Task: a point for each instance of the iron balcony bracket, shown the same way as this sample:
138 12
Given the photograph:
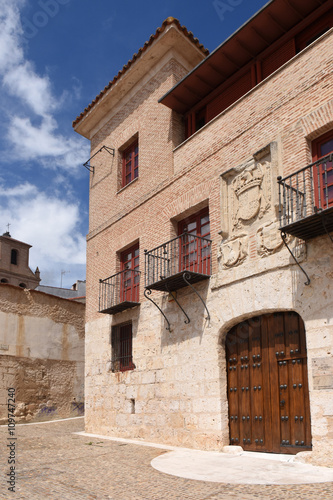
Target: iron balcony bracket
187 320
148 292
284 236
186 277
91 168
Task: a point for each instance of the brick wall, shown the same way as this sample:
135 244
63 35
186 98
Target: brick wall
179 383
273 111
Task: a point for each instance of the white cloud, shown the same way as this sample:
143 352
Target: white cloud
50 224
43 142
77 87
11 52
20 190
35 91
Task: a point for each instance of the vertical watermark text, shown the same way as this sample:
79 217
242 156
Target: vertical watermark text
48 9
224 7
11 445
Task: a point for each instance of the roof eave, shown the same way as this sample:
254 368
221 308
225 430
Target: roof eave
246 38
173 37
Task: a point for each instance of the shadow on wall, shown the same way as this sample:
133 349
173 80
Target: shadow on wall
181 329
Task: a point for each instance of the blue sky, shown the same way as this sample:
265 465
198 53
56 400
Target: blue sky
55 57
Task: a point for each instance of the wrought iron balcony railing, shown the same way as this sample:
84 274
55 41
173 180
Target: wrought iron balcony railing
306 200
186 256
119 292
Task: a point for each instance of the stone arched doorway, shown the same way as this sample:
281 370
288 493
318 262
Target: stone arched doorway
268 392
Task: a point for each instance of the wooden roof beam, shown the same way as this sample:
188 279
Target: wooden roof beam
260 36
231 60
294 9
181 100
241 44
217 70
204 81
191 91
284 30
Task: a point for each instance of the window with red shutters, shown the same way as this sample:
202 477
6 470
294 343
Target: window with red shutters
130 278
323 172
130 163
195 252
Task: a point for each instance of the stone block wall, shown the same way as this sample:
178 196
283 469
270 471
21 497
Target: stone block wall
41 354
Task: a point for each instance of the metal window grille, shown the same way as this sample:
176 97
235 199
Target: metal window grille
122 356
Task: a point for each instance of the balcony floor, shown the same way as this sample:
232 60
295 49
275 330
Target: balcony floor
312 226
176 281
119 307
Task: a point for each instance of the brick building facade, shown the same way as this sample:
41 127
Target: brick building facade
202 328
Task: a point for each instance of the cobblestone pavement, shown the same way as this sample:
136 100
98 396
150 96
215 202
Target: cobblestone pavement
55 464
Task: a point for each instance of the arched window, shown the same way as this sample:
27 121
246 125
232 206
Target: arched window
23 285
13 257
3 280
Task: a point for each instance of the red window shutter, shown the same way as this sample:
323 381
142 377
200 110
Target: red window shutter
130 279
229 95
194 254
323 172
130 163
276 59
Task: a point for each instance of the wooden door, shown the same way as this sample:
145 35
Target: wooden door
267 384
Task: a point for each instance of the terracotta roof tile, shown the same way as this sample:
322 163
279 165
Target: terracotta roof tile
167 22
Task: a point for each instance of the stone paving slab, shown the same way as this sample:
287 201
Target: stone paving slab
239 469
54 463
235 466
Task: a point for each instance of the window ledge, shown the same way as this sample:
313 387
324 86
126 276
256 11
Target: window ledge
129 184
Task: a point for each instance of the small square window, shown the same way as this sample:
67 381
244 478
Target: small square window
130 163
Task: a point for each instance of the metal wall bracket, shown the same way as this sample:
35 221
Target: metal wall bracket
91 168
180 307
186 277
148 292
284 236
